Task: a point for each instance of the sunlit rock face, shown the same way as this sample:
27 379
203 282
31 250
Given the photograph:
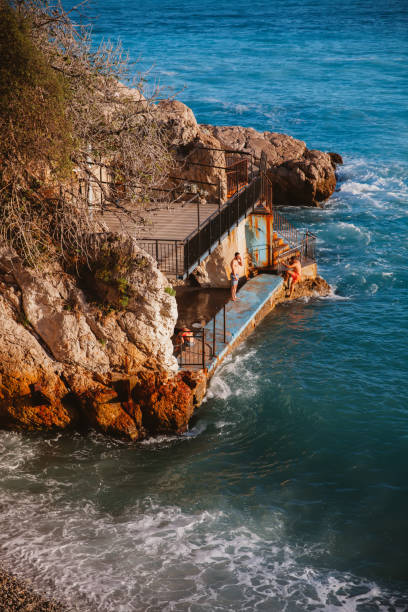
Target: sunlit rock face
92 353
300 176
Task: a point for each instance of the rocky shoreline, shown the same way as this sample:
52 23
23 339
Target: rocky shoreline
92 347
17 594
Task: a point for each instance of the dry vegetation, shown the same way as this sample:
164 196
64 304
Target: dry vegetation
65 119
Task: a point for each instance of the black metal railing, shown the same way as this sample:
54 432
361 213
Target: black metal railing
199 347
237 174
266 198
309 246
271 257
194 351
169 254
202 240
180 257
286 230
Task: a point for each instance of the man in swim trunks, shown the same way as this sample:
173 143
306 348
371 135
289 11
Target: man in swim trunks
236 263
293 273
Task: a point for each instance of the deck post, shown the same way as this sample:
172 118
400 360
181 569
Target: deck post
203 345
186 256
219 211
175 250
214 332
157 250
198 228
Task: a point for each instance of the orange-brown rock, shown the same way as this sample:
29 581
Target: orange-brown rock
64 351
36 412
197 152
166 405
300 176
105 413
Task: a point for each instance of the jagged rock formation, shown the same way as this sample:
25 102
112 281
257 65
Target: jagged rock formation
197 152
73 356
300 176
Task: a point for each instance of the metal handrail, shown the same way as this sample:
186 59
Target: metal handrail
217 212
204 347
285 229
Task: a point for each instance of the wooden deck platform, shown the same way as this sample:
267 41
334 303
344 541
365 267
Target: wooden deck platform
173 223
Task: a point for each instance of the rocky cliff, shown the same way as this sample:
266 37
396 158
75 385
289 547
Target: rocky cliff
83 348
92 349
300 176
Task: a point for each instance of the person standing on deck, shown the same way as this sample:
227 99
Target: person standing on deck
236 263
293 272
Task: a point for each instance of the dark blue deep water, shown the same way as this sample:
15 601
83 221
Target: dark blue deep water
290 492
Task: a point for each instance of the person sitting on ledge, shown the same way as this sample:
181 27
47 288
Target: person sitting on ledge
186 337
236 263
293 273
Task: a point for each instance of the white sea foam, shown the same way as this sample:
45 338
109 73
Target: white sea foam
358 188
333 296
234 378
346 231
159 557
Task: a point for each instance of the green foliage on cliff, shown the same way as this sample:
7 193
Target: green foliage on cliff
68 129
34 126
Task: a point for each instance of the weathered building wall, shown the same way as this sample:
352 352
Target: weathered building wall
215 270
254 235
259 238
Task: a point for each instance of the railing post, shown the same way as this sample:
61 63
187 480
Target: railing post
214 332
203 345
219 211
198 228
186 256
157 250
225 333
176 251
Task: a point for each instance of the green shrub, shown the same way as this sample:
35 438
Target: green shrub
170 291
34 99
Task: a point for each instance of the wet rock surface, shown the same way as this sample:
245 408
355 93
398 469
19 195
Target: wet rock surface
309 287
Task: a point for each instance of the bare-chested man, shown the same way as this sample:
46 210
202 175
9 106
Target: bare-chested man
293 273
236 263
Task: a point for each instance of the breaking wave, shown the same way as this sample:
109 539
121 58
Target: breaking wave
149 556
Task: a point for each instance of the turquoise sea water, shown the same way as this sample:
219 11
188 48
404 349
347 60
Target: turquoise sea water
290 492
